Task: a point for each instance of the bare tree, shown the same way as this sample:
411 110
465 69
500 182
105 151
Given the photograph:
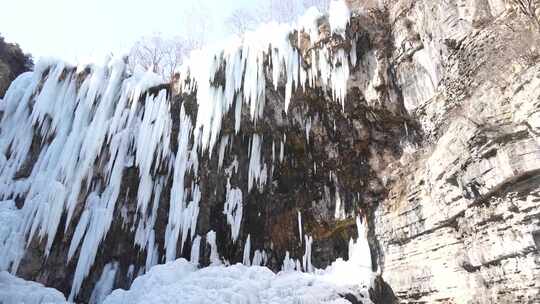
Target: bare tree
279 10
528 8
196 21
241 21
322 5
161 56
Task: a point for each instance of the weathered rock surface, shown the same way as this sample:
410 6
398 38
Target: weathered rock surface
13 62
461 221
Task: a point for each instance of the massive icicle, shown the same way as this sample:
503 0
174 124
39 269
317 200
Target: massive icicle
243 62
247 252
233 210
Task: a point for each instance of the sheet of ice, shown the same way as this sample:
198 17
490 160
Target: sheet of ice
178 204
105 284
306 259
214 255
308 128
247 252
130 272
16 290
195 250
254 160
300 226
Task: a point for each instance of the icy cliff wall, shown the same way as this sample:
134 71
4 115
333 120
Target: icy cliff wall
260 153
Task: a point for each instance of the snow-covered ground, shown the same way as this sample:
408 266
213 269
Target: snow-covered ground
181 282
14 290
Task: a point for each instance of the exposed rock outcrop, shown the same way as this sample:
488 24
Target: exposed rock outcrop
461 219
13 62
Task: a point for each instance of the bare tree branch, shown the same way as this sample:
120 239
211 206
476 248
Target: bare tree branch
242 20
528 8
161 56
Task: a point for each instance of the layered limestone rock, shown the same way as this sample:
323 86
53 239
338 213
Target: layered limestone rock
461 221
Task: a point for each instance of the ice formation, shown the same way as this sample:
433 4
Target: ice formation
233 210
306 259
195 249
105 284
92 122
300 226
214 255
11 242
247 252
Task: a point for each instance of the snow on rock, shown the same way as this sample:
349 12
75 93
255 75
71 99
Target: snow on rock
15 290
181 282
339 15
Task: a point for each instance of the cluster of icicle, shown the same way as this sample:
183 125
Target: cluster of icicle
92 119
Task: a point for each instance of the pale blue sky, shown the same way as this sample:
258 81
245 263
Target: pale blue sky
80 29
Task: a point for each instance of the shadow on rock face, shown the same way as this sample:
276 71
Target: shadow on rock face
382 293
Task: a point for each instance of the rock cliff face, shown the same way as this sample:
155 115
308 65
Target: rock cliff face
435 145
461 220
13 62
